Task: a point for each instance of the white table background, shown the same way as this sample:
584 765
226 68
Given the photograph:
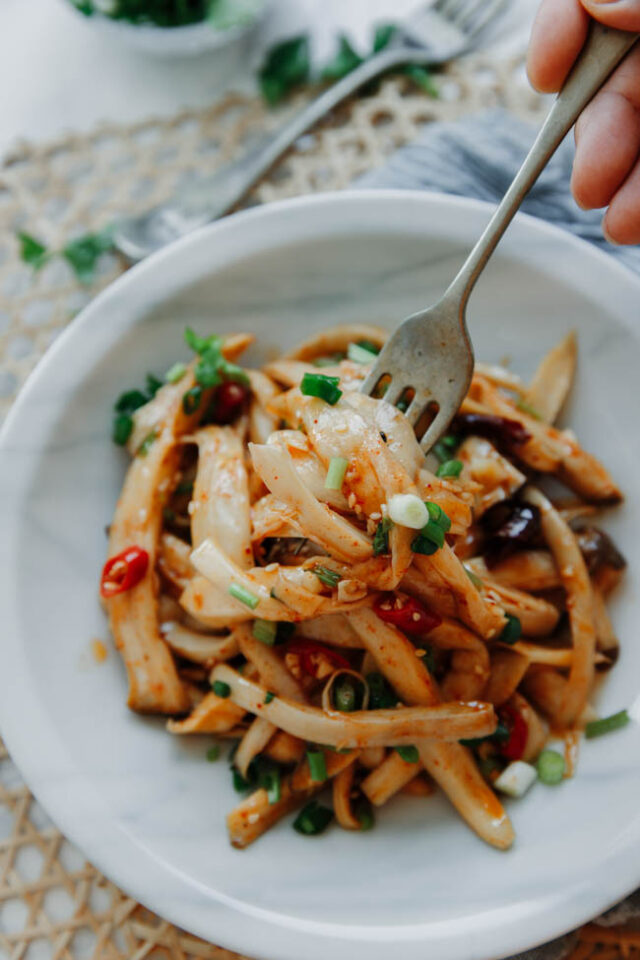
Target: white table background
58 73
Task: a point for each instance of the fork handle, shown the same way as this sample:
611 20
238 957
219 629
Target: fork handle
602 52
217 194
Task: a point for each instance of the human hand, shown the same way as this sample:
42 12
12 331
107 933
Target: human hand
606 168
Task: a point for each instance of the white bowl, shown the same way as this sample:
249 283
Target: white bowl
191 40
146 807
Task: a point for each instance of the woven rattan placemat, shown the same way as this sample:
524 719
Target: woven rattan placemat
54 905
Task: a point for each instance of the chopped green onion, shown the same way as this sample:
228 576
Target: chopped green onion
446 446
513 630
330 578
450 468
335 473
360 354
221 689
244 596
146 444
202 344
265 631
364 813
191 400
175 373
424 546
408 510
381 696
122 427
550 766
317 766
527 408
318 385
381 536
345 695
598 727
270 695
437 515
313 819
213 753
272 783
409 754
370 346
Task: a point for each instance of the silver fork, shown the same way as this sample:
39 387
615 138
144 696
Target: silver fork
430 36
430 353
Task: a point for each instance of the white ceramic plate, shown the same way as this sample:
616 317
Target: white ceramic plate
146 807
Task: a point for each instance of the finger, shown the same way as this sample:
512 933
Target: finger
608 137
622 220
557 37
623 14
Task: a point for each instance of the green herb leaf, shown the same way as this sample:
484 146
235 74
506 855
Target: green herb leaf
130 401
422 79
270 695
201 345
325 575
83 253
343 62
32 251
383 35
381 536
287 65
153 385
122 427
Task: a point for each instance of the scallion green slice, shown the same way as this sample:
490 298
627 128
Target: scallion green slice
221 689
335 473
409 754
317 766
175 373
265 631
213 753
244 596
551 767
319 385
360 354
607 724
446 446
313 819
513 630
191 400
146 444
270 695
450 468
381 536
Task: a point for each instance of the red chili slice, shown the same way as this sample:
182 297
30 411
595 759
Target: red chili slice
514 747
123 571
407 614
309 651
229 400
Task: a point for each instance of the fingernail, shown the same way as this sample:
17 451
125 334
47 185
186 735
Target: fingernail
607 235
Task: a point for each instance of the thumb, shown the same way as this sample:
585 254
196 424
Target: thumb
622 14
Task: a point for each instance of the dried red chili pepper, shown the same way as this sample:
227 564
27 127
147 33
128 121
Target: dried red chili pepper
124 571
